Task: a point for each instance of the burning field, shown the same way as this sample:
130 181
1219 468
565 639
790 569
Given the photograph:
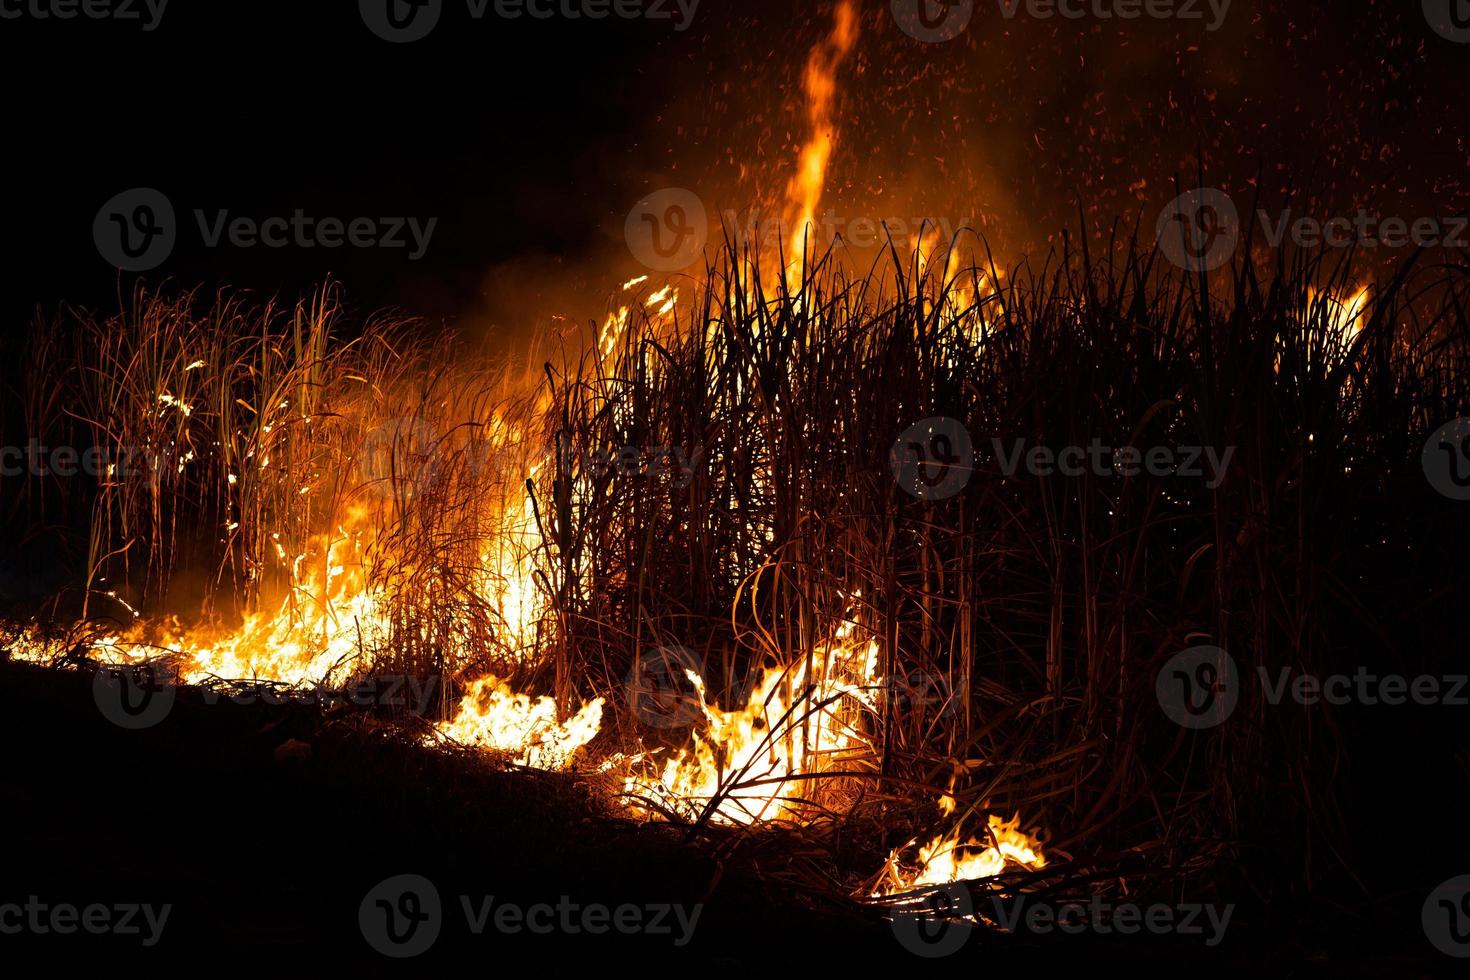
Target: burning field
942 593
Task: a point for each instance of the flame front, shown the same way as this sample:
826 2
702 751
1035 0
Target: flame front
819 83
492 716
756 763
946 858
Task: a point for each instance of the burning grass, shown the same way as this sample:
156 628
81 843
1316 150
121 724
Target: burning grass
335 504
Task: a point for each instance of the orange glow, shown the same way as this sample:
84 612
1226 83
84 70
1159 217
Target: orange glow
819 82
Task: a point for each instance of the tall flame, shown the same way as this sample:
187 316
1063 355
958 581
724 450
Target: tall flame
819 82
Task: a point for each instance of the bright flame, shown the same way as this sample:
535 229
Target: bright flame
945 859
492 716
819 82
751 764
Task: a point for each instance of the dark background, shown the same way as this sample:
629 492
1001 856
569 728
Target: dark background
530 140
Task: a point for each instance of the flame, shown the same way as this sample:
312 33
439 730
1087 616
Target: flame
946 859
810 716
492 716
819 82
1341 320
752 764
1345 318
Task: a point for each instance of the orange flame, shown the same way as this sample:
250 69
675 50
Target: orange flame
819 81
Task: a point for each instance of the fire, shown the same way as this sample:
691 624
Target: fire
492 716
1335 320
946 859
359 528
1345 318
819 82
752 764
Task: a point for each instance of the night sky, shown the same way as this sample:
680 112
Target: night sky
529 140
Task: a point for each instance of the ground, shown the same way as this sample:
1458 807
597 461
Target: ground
264 827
